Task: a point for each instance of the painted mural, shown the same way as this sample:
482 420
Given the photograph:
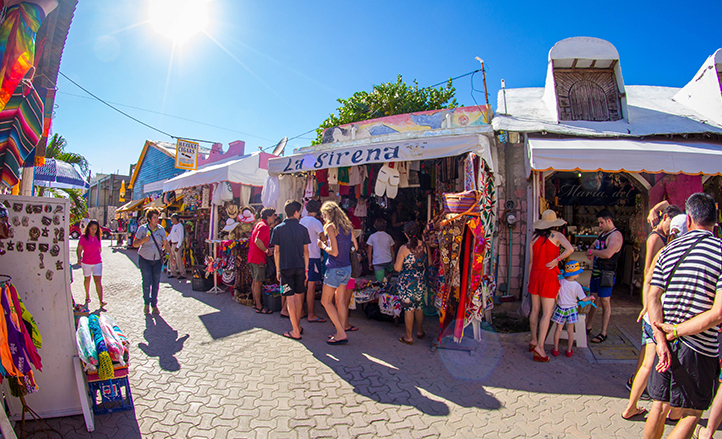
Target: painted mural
422 121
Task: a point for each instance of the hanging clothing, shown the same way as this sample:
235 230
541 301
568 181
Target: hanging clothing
403 169
271 191
469 174
356 175
322 180
333 176
21 124
245 196
343 176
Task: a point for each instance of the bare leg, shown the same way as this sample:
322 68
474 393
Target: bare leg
640 380
570 336
592 313
654 427
534 318
311 300
419 317
293 304
346 302
86 283
341 306
327 302
686 424
284 306
715 417
256 291
547 311
300 301
557 336
409 324
607 307
99 288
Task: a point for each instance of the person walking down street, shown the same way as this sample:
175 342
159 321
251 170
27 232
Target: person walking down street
258 251
411 265
291 241
380 250
685 306
176 240
544 274
656 241
315 229
605 253
89 247
150 239
339 236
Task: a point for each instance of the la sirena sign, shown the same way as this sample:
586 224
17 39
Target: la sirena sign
186 155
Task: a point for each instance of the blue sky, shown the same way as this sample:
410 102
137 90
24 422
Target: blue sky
265 70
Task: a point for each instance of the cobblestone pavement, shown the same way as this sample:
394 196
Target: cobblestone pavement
209 367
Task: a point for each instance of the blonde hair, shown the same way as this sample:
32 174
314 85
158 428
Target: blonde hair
334 215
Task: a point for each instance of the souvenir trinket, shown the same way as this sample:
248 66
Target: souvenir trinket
28 209
30 246
17 207
37 208
49 275
45 232
46 221
48 208
56 220
58 209
43 247
19 246
58 265
54 250
25 221
34 233
42 262
16 221
11 246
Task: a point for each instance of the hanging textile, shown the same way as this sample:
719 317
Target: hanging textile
245 195
17 46
242 286
21 123
469 173
17 349
487 205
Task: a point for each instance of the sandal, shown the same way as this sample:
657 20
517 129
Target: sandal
420 336
352 328
334 341
532 347
287 334
403 340
539 359
555 352
641 411
570 353
264 310
600 338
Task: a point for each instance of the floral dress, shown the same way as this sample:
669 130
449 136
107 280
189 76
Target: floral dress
411 286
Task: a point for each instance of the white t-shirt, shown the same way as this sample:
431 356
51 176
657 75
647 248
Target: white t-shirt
569 292
314 227
382 243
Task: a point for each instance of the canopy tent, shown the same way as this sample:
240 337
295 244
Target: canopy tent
131 205
59 174
625 155
247 170
420 148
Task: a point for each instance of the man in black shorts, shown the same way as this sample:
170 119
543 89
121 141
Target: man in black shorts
291 259
689 275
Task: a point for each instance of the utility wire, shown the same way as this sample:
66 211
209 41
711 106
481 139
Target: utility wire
454 79
129 116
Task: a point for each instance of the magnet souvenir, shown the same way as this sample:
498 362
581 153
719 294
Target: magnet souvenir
28 209
45 232
2 248
7 203
48 208
42 261
11 246
46 221
19 246
16 221
54 250
43 247
58 265
58 209
61 235
37 208
17 207
49 275
25 221
56 220
34 233
30 246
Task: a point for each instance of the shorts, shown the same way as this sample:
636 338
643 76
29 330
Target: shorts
92 269
544 283
258 272
690 382
293 281
381 270
600 291
314 270
337 276
647 334
565 315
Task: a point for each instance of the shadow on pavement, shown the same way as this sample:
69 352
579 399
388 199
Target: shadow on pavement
163 342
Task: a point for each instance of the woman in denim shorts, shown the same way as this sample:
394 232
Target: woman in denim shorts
339 231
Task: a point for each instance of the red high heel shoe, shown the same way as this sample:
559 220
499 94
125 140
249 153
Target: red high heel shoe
539 359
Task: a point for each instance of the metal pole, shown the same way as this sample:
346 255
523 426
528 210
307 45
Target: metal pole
483 75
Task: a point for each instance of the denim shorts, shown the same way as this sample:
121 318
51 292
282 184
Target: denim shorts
337 276
647 334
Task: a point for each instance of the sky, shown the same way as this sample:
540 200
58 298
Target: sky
261 71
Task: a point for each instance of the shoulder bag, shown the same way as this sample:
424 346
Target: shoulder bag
681 258
160 252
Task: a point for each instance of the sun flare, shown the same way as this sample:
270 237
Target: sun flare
178 20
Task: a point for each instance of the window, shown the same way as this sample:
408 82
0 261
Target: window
588 101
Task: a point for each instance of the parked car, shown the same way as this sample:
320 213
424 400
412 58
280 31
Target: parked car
76 231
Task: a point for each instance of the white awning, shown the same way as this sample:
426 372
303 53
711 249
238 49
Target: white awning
246 170
625 155
422 148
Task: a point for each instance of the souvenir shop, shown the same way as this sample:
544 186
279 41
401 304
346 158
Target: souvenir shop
218 204
443 181
629 182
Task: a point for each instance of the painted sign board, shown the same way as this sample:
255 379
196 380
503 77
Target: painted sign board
186 155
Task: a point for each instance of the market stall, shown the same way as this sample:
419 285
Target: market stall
401 168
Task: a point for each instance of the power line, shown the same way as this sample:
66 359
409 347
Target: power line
168 115
129 116
454 79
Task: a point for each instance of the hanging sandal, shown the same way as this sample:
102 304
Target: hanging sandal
600 338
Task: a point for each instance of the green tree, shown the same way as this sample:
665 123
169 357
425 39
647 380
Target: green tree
56 150
387 99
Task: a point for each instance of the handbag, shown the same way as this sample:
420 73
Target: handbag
607 278
355 263
462 202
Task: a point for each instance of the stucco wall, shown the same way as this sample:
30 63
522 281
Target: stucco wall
156 166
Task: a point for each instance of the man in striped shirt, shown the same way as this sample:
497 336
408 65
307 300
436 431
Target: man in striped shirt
685 304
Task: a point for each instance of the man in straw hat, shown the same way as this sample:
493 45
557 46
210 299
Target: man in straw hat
605 253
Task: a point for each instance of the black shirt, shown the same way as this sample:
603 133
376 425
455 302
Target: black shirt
290 237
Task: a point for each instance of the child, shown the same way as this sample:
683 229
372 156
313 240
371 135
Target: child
566 310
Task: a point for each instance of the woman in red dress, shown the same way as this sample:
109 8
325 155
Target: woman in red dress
544 277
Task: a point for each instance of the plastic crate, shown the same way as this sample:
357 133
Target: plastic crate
272 302
110 396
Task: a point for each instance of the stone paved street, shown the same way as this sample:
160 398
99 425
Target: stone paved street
209 367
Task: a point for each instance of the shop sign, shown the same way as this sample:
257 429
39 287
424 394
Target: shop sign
592 189
403 150
186 155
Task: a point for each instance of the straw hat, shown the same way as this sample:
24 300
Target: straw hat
230 225
548 219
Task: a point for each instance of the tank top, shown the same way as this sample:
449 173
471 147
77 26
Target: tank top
544 252
343 242
609 264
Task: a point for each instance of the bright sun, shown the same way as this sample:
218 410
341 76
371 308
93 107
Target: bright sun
178 20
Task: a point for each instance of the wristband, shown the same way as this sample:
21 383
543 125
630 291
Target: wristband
674 332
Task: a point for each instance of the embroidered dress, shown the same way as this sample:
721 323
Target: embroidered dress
411 286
